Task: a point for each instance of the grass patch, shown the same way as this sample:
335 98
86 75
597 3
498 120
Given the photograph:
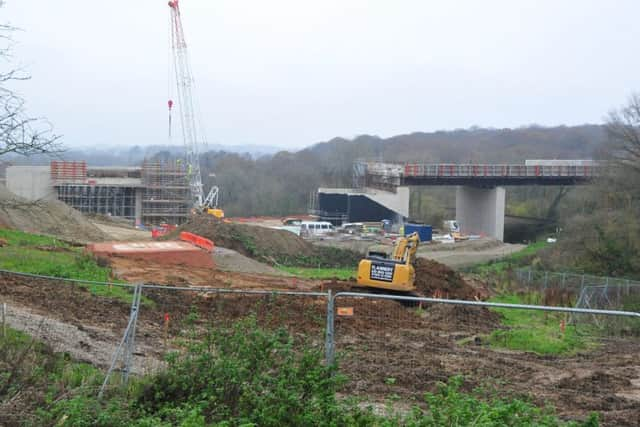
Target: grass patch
33 378
320 273
536 331
238 376
515 259
48 256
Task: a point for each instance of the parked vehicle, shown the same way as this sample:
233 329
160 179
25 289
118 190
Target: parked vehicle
311 228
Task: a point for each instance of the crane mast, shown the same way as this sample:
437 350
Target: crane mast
184 83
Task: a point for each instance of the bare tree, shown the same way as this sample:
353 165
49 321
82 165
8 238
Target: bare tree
19 133
623 128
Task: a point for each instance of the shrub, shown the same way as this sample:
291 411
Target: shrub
248 375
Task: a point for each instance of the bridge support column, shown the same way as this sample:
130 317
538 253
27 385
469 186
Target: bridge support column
481 210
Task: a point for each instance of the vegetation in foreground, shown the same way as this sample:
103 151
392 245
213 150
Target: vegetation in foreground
243 376
48 256
536 331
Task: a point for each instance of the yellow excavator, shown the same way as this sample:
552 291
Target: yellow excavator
396 273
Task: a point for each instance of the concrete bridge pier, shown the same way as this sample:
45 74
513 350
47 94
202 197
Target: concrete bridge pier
480 210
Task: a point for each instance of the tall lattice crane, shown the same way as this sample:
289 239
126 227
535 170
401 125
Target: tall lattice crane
184 84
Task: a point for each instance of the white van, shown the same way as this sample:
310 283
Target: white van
310 228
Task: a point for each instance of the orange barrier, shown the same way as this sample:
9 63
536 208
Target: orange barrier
162 230
199 241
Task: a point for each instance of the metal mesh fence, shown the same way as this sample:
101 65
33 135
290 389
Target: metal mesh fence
171 317
542 280
84 320
584 291
391 347
579 360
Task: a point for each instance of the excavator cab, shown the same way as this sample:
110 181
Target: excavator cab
395 273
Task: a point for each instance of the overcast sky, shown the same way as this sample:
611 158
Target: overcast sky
294 72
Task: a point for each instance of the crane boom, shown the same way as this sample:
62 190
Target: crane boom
184 83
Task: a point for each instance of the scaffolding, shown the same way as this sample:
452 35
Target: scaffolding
154 194
99 199
166 196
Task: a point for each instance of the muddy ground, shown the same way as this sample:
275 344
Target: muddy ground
251 275
383 347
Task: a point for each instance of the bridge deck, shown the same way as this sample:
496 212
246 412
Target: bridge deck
386 174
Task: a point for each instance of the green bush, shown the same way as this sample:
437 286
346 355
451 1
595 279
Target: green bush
451 407
248 375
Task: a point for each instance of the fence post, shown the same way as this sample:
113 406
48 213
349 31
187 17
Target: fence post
135 309
329 341
4 320
546 278
125 348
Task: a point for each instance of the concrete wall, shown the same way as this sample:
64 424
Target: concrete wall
481 210
397 202
31 182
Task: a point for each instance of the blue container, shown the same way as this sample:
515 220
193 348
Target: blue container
424 231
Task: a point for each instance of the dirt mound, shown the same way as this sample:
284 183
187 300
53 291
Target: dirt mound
51 218
437 280
452 317
252 241
266 244
433 280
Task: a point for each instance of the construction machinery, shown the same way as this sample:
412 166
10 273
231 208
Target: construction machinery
395 273
187 107
210 204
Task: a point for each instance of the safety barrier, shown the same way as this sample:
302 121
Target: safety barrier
199 241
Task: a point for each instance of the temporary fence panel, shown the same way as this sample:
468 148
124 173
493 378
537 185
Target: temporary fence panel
83 318
404 346
171 317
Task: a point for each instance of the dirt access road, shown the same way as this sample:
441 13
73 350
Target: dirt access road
122 233
465 254
457 255
383 347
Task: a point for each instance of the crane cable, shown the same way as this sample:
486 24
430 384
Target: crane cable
169 72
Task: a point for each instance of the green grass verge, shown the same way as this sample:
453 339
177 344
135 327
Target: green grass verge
239 376
515 259
536 331
48 256
320 273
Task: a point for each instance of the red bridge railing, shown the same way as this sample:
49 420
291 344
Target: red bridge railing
498 171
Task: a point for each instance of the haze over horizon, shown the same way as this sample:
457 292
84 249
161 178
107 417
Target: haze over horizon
289 74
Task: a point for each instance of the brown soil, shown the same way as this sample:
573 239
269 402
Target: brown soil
247 239
179 275
51 218
437 280
266 244
383 347
167 254
433 280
